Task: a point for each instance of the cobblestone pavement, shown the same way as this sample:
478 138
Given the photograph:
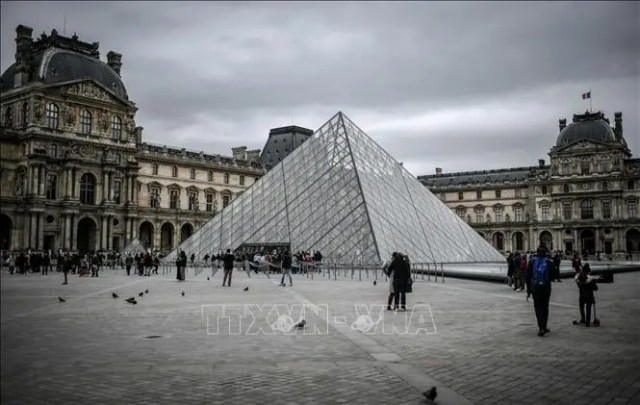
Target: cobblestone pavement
475 340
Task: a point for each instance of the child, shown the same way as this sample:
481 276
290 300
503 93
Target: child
586 285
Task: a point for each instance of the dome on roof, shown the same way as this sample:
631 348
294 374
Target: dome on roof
588 126
58 59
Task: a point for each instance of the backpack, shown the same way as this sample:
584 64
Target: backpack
540 272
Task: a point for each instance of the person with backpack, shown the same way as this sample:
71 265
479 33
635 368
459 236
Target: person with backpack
538 278
228 259
587 285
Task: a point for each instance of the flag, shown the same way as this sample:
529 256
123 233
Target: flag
586 95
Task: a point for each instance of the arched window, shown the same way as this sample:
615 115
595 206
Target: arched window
586 209
52 113
88 189
25 114
8 117
565 188
85 122
116 127
174 171
226 199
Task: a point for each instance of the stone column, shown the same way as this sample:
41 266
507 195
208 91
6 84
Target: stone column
74 187
33 180
110 194
176 235
40 241
34 230
41 180
598 242
67 231
576 245
109 231
103 233
67 183
74 229
134 228
26 234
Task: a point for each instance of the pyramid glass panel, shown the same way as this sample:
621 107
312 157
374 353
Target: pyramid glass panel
342 194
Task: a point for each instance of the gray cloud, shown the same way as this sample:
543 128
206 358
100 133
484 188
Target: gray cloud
215 75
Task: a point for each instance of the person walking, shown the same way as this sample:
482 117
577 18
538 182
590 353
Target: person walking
128 263
67 265
576 263
286 268
11 262
389 272
510 269
228 260
586 285
538 278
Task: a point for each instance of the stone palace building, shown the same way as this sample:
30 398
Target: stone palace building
585 200
75 173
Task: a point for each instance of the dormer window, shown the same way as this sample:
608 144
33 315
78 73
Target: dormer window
85 122
116 127
52 114
8 117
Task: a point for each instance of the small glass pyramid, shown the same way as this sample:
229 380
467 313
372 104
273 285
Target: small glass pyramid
340 193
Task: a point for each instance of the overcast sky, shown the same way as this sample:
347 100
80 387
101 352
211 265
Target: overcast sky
462 86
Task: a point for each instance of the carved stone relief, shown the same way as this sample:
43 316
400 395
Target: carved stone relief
69 114
103 121
89 90
38 109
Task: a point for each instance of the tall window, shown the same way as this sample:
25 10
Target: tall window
544 189
193 174
210 175
479 215
52 186
631 185
499 214
8 117
460 195
117 190
518 193
606 209
517 213
585 166
226 178
605 186
498 193
545 212
25 114
460 211
242 180
52 114
88 189
174 171
226 199
53 150
193 201
209 197
116 127
586 209
174 199
479 195
566 167
566 210
565 188
154 198
85 122
632 209
155 169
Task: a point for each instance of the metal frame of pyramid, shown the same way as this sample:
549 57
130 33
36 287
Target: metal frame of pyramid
134 247
340 193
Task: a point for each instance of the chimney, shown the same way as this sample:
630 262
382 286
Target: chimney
138 133
562 123
23 55
114 60
618 128
239 152
438 171
253 155
541 162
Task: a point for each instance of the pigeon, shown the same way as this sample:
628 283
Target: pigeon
114 295
134 302
183 293
207 278
130 300
140 294
245 289
301 324
61 299
431 394
375 282
146 291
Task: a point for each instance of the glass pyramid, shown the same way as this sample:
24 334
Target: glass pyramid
342 194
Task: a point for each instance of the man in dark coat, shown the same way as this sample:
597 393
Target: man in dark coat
228 260
401 273
538 278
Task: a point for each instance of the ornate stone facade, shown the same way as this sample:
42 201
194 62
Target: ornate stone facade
75 173
586 200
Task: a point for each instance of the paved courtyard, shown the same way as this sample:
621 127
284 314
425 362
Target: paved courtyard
476 341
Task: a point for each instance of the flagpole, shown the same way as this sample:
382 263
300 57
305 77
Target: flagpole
590 102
